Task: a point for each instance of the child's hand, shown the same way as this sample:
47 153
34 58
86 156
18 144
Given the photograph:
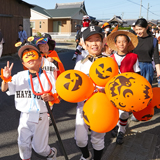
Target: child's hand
7 70
50 59
46 97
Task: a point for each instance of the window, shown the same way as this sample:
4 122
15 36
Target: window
40 24
32 25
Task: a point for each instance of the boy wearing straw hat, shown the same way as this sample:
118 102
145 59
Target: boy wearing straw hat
33 123
123 42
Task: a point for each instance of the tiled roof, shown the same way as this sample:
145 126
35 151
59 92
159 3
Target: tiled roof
41 10
62 9
71 5
66 12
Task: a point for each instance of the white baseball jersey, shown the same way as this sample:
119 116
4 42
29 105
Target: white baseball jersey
25 101
83 67
49 67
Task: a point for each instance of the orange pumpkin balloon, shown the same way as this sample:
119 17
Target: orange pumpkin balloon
145 114
74 86
102 70
155 102
129 91
100 114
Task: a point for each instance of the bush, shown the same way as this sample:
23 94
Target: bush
39 34
124 28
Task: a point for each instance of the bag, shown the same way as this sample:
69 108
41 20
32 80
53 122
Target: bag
154 42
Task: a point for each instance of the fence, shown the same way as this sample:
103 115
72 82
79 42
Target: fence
62 36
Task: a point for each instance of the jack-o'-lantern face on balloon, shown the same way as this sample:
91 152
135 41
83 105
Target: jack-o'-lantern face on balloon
75 82
102 70
74 86
129 92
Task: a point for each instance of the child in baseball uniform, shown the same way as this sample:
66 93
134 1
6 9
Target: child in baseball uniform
123 42
93 38
33 126
50 59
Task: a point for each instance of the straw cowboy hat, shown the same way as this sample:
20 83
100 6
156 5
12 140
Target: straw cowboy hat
133 40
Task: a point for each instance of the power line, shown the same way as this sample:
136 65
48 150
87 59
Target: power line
143 7
134 2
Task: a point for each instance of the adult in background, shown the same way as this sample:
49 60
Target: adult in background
132 30
146 49
158 27
107 28
22 35
77 38
157 34
80 52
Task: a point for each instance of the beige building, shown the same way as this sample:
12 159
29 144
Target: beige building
61 20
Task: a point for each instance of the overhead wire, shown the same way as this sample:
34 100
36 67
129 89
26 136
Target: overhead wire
118 5
143 7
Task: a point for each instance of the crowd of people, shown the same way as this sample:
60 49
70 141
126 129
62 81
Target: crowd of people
133 51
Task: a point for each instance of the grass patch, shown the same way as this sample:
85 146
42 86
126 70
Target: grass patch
124 28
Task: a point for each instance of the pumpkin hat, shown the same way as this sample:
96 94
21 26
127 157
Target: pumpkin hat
111 40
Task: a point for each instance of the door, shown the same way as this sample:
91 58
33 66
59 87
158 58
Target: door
56 26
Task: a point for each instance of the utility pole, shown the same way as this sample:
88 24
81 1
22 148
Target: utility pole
122 14
140 9
148 10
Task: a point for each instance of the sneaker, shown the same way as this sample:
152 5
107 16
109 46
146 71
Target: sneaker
74 57
53 154
120 137
89 158
114 131
133 118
